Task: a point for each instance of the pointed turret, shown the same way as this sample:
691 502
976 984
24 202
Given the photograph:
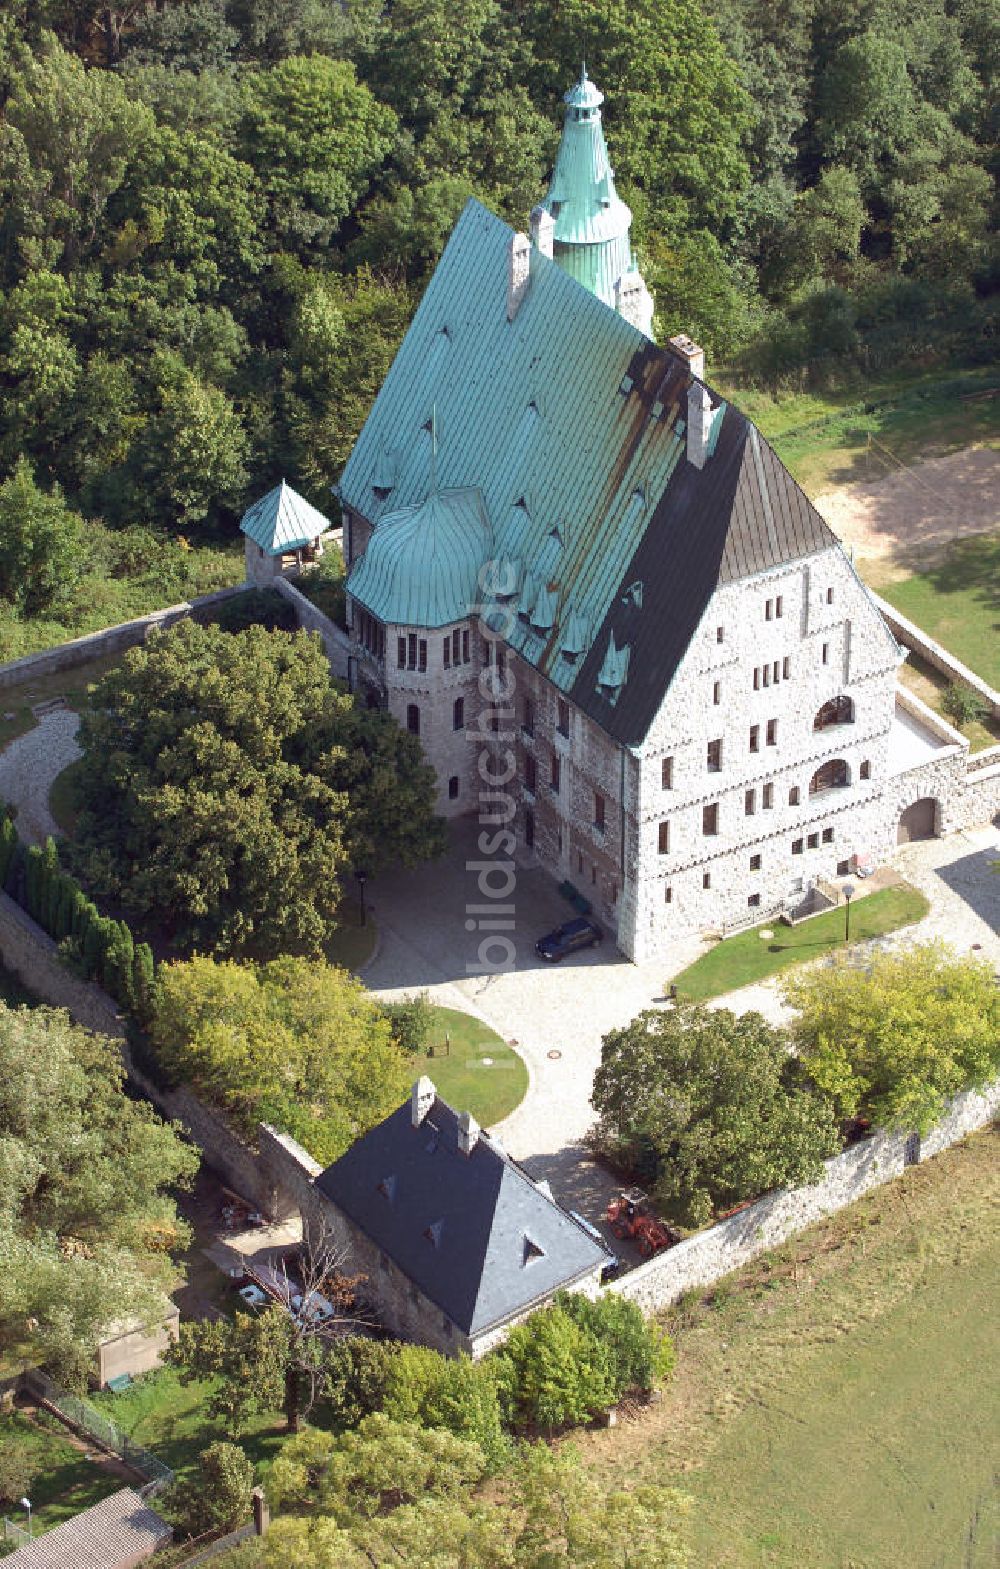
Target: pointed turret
591 222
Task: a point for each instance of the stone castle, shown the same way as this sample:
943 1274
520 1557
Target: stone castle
589 586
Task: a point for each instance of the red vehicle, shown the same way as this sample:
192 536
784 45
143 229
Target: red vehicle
630 1218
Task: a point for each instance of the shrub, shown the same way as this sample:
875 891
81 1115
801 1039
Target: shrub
460 1396
639 1352
257 607
356 1372
556 1371
411 1021
962 704
217 1496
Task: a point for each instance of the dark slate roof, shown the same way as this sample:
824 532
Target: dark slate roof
120 1530
472 1232
571 424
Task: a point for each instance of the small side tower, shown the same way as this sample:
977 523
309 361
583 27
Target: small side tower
591 233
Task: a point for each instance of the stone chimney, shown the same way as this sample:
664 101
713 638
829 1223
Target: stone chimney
422 1098
468 1133
699 423
634 301
518 273
543 228
693 356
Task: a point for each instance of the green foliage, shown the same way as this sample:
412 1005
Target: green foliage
8 844
894 1036
557 1373
40 544
455 1394
295 1042
217 1498
251 1361
410 1020
263 607
86 1226
19 1465
709 1107
963 704
225 781
355 1374
640 1353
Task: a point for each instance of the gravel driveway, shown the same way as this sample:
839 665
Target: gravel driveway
30 764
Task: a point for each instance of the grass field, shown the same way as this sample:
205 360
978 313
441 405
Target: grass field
822 437
747 957
834 1405
957 602
65 1480
472 1067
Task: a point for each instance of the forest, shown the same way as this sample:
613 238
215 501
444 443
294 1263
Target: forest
218 216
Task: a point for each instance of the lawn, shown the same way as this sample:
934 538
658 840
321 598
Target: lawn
833 1407
472 1067
749 957
168 1418
957 601
822 437
66 1481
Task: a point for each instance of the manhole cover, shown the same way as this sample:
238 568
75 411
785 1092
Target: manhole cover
554 1055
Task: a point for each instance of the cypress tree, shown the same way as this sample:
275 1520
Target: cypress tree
8 841
143 981
35 872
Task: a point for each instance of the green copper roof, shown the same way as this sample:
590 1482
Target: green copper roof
283 520
421 568
591 221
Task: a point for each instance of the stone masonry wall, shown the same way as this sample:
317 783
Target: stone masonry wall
112 640
335 640
710 1254
769 652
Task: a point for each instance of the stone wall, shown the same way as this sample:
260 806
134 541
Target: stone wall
710 1254
311 619
911 636
34 958
112 640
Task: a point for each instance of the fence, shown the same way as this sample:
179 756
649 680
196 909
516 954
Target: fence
81 1415
218 1548
14 1533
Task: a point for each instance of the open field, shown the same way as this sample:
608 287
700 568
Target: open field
834 1405
472 1067
823 437
747 957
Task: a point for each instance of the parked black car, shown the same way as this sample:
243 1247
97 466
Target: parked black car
567 939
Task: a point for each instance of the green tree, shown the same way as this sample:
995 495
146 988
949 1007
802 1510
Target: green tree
709 1107
216 1497
19 1465
214 781
191 455
41 544
316 136
295 1042
557 1372
894 1036
86 1224
639 1352
453 1393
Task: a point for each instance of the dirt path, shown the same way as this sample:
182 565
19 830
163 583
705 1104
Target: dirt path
896 521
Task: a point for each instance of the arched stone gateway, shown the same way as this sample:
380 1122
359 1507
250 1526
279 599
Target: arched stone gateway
918 820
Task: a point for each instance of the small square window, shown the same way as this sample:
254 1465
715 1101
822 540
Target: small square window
813 841
710 819
749 803
827 835
753 900
797 846
865 771
776 673
793 796
717 693
755 863
779 606
755 738
766 674
767 797
719 634
769 610
829 596
786 668
668 894
772 732
714 756
706 879
664 838
756 678
667 773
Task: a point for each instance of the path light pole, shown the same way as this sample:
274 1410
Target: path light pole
361 878
26 1504
848 896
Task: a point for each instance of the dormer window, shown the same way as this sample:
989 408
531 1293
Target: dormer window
432 1233
532 1250
387 1188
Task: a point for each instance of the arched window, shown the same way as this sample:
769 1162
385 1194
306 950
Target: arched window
833 775
458 714
838 711
413 718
